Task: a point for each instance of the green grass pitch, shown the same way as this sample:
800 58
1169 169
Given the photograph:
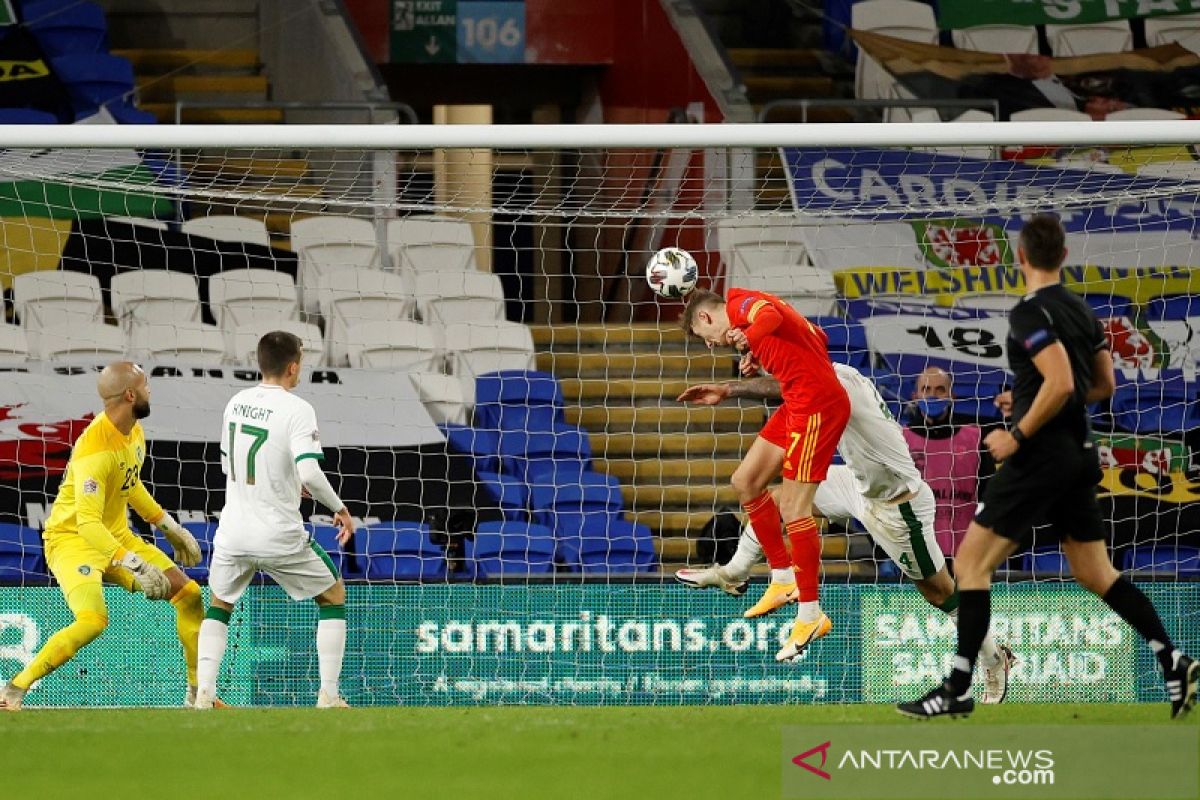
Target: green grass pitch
518 752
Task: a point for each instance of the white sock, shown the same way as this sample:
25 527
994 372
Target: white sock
785 575
214 635
808 611
331 646
749 552
989 651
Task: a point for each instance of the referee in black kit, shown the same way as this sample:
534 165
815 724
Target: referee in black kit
1060 362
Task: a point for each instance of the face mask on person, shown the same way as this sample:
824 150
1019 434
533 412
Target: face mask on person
931 408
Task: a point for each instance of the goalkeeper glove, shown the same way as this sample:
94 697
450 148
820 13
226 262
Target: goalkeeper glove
152 580
184 548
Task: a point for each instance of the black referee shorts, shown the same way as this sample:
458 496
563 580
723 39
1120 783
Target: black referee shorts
1050 481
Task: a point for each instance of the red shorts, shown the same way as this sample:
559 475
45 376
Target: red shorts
809 440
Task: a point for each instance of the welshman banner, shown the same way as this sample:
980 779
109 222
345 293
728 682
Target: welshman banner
965 13
1153 77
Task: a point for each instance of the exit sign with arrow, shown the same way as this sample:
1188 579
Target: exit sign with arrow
450 31
424 30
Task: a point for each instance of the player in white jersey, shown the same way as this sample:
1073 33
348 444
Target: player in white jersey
270 453
879 486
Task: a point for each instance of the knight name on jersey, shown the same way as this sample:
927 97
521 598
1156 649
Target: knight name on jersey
247 411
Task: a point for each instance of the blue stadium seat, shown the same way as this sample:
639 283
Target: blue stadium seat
1173 307
847 341
26 116
402 551
204 533
346 560
20 553
533 419
1178 561
519 449
1165 404
495 391
509 494
975 385
1047 564
128 115
510 548
64 29
585 497
1109 305
96 78
599 544
482 445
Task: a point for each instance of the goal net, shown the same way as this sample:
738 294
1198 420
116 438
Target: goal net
496 385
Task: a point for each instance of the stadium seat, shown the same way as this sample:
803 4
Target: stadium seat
228 228
161 296
402 551
14 346
520 449
585 495
20 554
98 79
482 445
204 532
353 296
347 560
1047 564
508 548
62 29
1178 561
431 244
480 348
141 222
1181 28
328 244
442 396
242 341
240 297
1162 405
847 341
518 400
997 38
1143 113
975 385
600 544
508 494
192 343
750 243
399 345
466 296
51 297
1173 307
809 290
26 116
1090 38
840 245
81 342
902 19
1049 115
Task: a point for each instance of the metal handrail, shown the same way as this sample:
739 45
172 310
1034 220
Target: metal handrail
404 112
804 104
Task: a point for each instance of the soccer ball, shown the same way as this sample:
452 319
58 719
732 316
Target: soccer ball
671 272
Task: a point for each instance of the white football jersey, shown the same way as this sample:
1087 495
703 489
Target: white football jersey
265 432
873 445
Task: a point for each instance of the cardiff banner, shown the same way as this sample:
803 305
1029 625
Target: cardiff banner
595 644
965 13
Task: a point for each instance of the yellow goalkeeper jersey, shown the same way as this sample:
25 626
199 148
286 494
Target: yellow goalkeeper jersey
103 478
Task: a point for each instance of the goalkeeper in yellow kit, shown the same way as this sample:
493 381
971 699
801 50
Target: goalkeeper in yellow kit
87 537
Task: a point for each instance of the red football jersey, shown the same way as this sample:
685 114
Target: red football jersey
789 347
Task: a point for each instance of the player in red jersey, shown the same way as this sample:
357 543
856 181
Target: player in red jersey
802 434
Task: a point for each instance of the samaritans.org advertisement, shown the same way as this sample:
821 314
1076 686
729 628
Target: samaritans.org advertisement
592 644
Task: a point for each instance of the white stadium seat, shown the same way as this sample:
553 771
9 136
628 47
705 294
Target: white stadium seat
86 342
191 343
997 38
328 244
476 348
1181 28
244 341
424 244
1049 115
1144 113
1090 38
352 296
154 295
14 347
400 345
141 222
447 297
53 297
229 228
748 244
240 296
902 19
809 290
442 396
